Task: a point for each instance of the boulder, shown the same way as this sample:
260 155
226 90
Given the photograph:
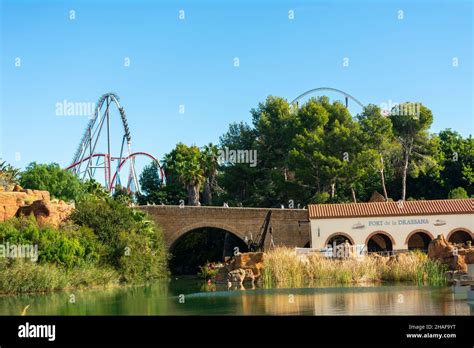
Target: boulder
245 267
437 247
456 257
469 257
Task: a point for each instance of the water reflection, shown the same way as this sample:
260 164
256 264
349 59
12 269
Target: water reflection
367 301
192 297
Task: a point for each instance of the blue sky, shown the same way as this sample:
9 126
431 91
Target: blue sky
190 62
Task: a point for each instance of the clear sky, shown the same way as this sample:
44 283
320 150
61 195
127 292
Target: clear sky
190 62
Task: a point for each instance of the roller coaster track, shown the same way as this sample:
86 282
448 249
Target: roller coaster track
83 165
347 96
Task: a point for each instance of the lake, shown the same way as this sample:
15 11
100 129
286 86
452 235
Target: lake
191 296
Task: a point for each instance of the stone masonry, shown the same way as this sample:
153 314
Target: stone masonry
242 222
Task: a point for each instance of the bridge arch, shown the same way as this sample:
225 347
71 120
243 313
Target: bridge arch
203 243
199 225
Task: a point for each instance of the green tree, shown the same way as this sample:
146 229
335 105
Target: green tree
186 162
240 181
60 183
276 125
458 193
209 158
122 194
154 190
377 135
458 161
327 153
411 132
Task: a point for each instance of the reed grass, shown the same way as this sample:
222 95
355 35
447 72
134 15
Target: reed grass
22 276
284 268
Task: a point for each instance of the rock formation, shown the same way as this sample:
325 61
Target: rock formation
243 268
456 257
36 202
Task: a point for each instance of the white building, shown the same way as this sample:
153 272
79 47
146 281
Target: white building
387 226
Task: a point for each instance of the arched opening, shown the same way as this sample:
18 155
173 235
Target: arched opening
379 242
419 240
460 237
201 245
339 238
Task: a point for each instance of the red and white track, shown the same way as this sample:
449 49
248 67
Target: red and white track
88 151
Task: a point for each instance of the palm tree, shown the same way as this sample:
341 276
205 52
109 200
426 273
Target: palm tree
8 176
185 161
209 155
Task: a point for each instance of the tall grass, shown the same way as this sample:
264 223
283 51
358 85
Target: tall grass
283 267
20 276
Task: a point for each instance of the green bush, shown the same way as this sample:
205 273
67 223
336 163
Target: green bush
68 248
208 271
134 244
458 193
106 217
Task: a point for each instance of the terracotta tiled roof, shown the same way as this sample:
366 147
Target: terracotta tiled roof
446 206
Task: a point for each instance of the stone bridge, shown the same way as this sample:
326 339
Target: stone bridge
242 222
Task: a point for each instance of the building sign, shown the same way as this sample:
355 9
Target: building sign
399 222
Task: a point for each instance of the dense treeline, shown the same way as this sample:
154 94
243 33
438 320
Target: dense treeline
317 153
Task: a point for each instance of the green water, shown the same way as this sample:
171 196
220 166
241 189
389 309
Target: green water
188 296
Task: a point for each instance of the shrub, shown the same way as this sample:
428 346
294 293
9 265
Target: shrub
106 217
90 275
18 276
68 248
208 271
134 244
458 193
